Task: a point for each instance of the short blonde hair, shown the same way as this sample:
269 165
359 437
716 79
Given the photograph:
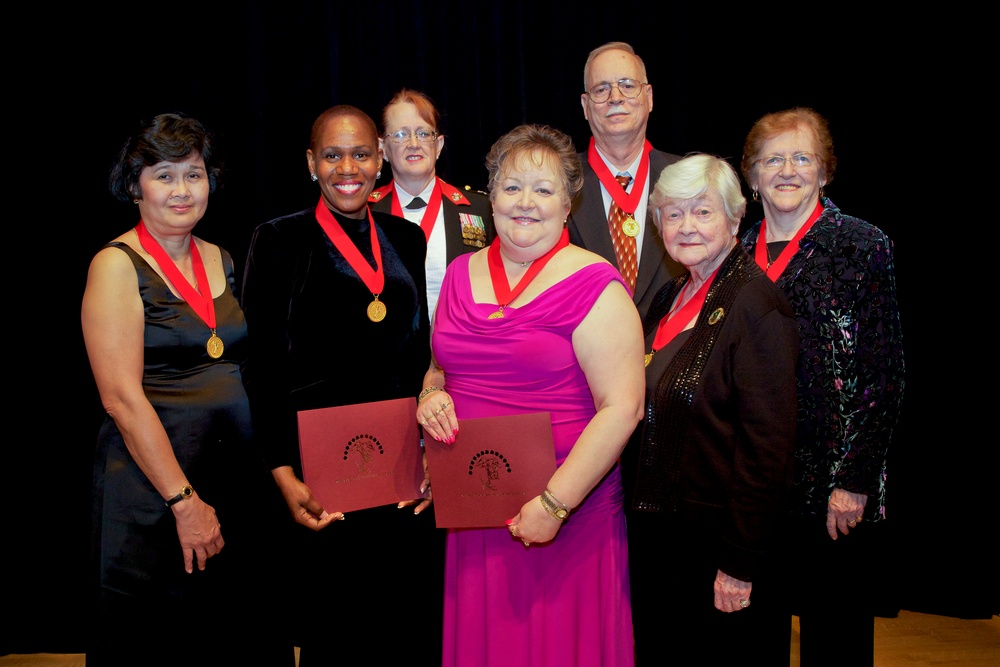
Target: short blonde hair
693 176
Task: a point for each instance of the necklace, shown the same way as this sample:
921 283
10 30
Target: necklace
678 317
374 279
201 304
501 288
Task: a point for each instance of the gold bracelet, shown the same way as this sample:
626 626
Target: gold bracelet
427 392
558 502
556 512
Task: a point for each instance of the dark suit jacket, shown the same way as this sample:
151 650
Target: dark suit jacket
588 228
472 203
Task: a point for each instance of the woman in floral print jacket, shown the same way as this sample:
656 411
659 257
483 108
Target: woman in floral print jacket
838 274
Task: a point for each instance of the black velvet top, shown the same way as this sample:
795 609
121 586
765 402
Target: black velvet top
312 344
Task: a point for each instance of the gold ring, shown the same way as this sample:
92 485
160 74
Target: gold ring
526 543
744 604
851 522
445 405
438 411
423 423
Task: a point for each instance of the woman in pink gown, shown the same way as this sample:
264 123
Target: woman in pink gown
550 589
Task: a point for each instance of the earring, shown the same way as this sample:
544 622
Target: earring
313 177
822 193
135 201
755 197
378 174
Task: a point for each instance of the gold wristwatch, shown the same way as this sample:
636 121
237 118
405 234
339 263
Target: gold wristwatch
554 510
186 492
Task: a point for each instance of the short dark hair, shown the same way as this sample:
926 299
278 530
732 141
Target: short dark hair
336 112
168 137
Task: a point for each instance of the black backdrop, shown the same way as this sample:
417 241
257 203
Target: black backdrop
259 73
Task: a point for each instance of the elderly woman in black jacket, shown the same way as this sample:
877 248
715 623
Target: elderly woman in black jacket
712 458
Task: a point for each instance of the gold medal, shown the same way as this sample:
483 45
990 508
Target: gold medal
214 346
496 316
648 358
630 227
376 310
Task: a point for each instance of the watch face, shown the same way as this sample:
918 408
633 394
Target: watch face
187 491
561 513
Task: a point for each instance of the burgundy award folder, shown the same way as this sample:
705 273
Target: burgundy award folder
495 466
363 455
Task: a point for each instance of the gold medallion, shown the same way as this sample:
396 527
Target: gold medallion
376 310
630 227
496 316
214 346
649 358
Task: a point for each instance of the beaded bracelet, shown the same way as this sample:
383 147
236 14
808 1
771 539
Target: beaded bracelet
427 392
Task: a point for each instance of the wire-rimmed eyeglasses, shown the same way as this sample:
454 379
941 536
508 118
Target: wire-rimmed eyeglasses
629 88
798 161
403 136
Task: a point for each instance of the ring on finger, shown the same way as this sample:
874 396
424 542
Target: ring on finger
526 543
744 604
444 406
851 522
423 423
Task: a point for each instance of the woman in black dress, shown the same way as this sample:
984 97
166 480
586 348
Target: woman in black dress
174 541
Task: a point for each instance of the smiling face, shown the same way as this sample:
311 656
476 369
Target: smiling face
789 192
413 162
618 116
696 232
529 205
174 194
346 160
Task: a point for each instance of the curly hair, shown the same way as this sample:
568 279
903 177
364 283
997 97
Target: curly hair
535 142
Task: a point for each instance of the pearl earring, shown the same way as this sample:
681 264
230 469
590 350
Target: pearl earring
314 177
135 201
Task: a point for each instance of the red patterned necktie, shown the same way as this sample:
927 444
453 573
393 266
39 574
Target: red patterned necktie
624 244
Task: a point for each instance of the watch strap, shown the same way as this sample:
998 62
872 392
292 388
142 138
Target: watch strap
186 492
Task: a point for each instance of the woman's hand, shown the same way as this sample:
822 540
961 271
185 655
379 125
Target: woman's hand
198 530
425 487
534 525
305 509
731 594
844 511
436 414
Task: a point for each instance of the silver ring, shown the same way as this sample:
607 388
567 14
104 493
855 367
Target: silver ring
744 604
438 411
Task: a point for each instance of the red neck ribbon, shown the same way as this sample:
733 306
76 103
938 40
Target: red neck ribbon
675 321
374 279
779 264
501 288
627 201
430 211
201 304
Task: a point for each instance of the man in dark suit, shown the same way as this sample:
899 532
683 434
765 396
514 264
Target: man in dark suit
617 101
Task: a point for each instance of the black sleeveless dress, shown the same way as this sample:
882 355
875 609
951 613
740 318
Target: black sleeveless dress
141 582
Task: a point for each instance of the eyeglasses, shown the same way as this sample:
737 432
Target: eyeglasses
799 161
403 136
629 88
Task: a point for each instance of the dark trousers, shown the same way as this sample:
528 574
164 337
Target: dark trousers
833 587
673 564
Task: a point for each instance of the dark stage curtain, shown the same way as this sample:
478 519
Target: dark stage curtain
259 73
